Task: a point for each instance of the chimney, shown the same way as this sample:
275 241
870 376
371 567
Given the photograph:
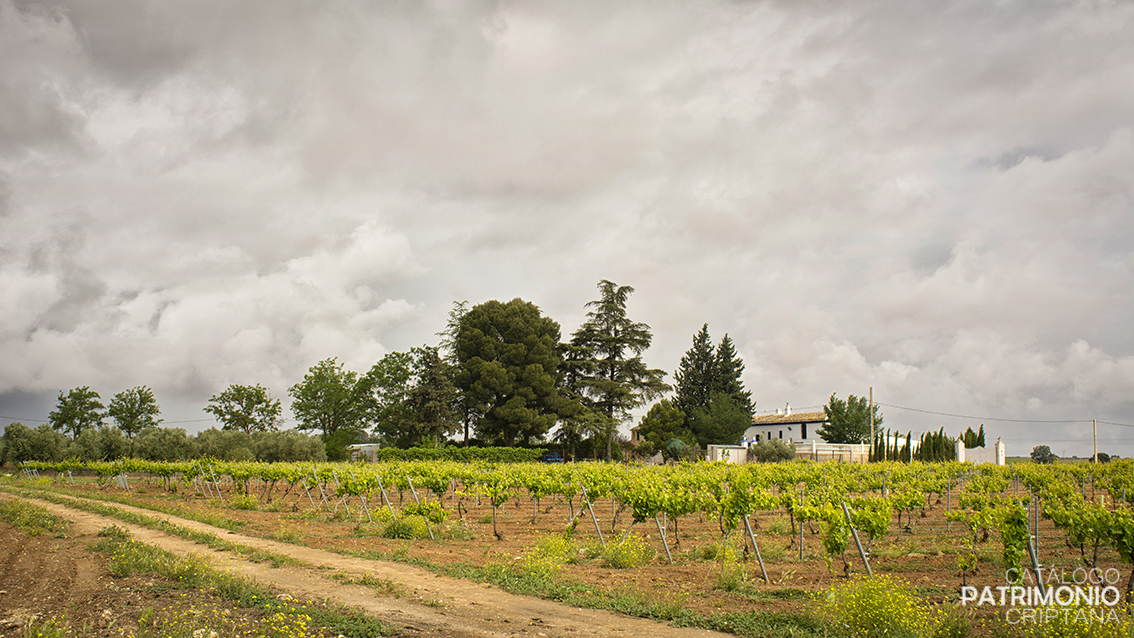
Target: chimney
787 409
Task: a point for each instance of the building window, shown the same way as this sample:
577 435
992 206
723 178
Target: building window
781 434
804 427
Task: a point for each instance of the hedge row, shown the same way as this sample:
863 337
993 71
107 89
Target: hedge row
465 454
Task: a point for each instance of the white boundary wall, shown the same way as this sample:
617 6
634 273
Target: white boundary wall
980 455
846 452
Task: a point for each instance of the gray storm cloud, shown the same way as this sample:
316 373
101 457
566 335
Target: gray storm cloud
934 200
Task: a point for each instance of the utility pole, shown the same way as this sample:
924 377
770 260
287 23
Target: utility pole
1095 436
870 412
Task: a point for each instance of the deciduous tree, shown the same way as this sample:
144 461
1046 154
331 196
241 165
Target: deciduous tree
247 408
1043 455
332 400
848 421
76 411
387 388
134 409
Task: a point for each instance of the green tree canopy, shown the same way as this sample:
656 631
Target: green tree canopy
722 421
165 444
508 367
614 379
287 446
246 408
1042 454
332 400
76 411
21 443
662 423
463 405
388 384
134 409
433 399
695 376
99 444
226 445
848 421
705 371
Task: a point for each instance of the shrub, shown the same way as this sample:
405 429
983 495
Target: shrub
406 528
287 445
546 557
245 502
731 577
773 450
22 443
462 454
430 510
164 444
632 552
879 607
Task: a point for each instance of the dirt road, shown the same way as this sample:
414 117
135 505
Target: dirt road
428 604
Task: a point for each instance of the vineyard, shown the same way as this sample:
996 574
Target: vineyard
789 527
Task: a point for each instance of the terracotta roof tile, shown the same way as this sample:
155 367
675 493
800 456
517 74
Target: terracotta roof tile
795 417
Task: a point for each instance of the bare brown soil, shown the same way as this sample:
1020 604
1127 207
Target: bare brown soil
325 537
44 576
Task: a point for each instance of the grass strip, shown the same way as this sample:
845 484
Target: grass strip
214 520
750 623
510 579
204 538
32 519
128 556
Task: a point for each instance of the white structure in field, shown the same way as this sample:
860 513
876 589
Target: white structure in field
737 454
980 455
361 451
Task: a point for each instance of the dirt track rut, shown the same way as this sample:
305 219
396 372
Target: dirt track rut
430 604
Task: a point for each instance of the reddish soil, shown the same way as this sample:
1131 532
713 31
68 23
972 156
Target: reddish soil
46 577
923 556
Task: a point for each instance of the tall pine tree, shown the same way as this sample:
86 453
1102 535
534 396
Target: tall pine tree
705 372
695 374
726 376
616 380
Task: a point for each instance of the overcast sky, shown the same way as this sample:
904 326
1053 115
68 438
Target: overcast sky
933 199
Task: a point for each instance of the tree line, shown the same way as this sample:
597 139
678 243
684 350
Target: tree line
501 374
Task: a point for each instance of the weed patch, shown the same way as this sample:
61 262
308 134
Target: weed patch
32 520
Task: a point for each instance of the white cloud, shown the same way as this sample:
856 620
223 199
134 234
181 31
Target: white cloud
931 199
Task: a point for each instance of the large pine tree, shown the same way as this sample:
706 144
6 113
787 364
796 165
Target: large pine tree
508 360
611 377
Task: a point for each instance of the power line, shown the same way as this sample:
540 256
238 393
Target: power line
987 418
1121 425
